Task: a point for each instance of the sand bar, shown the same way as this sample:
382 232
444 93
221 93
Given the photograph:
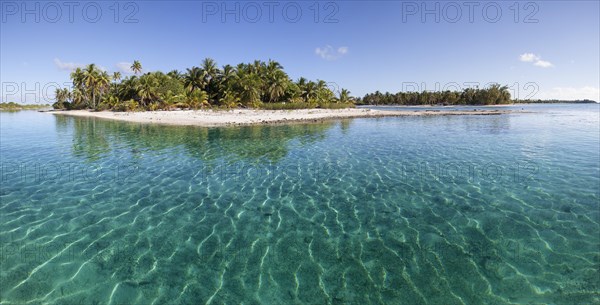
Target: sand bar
236 117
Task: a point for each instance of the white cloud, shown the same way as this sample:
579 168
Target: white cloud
570 93
543 64
535 59
124 67
70 66
329 53
67 66
528 57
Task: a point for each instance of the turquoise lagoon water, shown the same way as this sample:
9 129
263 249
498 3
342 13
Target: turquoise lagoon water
434 210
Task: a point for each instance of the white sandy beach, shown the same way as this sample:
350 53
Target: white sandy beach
210 118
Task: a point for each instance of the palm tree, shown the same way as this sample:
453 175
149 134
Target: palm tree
194 79
78 98
249 90
277 86
211 75
136 67
197 99
308 91
301 82
90 79
227 76
77 77
272 69
127 90
505 95
116 76
210 69
345 96
257 67
102 83
111 101
62 96
229 99
175 74
146 89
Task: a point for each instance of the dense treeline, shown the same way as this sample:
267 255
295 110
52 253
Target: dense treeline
256 85
554 101
15 106
493 95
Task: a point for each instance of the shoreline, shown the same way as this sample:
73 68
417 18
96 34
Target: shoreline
244 117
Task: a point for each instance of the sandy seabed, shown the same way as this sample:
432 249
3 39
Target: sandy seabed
210 118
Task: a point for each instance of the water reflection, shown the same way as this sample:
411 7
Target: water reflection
93 138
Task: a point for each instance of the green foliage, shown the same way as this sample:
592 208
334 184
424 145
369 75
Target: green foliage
493 95
136 67
303 105
335 105
129 105
62 96
287 106
16 106
585 101
197 99
255 85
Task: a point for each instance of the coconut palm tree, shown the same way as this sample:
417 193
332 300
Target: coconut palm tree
211 76
229 99
345 96
175 74
210 69
146 89
77 77
62 97
505 95
103 82
194 79
116 76
197 99
136 67
78 99
90 79
227 77
301 82
249 89
308 91
278 83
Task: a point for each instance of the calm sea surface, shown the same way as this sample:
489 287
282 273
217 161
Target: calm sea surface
412 210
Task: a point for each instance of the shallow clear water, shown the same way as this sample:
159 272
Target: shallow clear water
433 210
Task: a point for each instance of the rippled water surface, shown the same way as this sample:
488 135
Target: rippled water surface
434 210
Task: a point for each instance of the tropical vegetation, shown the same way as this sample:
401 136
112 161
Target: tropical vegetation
15 106
584 101
249 85
493 95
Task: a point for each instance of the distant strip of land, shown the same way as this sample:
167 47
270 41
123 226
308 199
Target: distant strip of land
11 106
213 118
554 102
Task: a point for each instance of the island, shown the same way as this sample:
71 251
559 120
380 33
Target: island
12 106
249 93
240 117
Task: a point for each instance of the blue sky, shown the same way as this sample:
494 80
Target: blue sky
548 49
